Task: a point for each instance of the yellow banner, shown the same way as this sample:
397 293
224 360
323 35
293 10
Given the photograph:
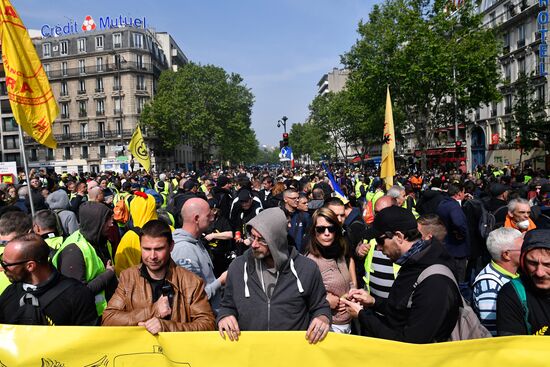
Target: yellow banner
139 150
134 347
387 167
31 97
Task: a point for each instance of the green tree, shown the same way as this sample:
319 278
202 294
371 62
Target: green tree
308 142
206 107
529 114
439 65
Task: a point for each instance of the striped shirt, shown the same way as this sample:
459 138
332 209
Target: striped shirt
382 275
486 287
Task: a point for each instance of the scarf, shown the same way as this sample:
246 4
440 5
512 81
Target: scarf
415 248
330 252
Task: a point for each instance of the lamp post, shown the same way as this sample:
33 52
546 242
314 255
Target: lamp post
282 121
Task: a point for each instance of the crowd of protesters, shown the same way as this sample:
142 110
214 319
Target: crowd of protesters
258 249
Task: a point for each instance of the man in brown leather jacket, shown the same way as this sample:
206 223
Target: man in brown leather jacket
158 294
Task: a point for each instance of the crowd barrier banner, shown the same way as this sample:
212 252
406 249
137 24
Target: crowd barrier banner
133 346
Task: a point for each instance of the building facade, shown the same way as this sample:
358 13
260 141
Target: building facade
101 80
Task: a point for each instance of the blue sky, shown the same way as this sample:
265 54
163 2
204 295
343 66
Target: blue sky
281 47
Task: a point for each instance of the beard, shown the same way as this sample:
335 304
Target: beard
258 255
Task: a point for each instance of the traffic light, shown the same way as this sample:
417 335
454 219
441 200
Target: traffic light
458 145
285 139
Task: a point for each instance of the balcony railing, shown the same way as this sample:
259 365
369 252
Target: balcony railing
82 91
521 43
100 113
84 156
99 90
67 156
64 116
110 67
105 134
82 114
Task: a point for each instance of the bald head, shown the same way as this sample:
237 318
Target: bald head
196 216
95 194
384 202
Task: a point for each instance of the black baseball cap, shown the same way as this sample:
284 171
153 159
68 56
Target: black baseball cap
391 219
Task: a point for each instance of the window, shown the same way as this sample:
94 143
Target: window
47 69
11 142
140 82
10 124
67 153
82 109
49 154
521 66
64 69
84 130
101 129
118 126
81 86
102 151
13 157
99 64
138 40
34 154
117 40
47 50
521 35
82 66
64 110
66 129
506 42
64 47
99 85
139 61
81 44
116 83
508 103
64 89
140 104
507 72
541 93
99 43
118 107
84 151
100 107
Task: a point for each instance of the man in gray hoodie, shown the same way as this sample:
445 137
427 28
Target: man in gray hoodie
58 201
272 287
189 251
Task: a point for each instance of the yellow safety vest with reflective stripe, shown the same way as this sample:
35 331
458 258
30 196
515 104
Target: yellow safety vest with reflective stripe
94 265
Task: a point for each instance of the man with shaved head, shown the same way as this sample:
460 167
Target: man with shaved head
39 295
189 251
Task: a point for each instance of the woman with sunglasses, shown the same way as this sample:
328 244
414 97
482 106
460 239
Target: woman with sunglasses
327 248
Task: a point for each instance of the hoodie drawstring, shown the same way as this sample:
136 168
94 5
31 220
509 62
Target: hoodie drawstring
246 291
298 282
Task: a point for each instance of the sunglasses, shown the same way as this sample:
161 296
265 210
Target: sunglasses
322 229
5 265
380 240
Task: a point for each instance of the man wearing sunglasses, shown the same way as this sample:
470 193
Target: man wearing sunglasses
39 295
422 313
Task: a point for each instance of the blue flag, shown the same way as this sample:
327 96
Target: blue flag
337 190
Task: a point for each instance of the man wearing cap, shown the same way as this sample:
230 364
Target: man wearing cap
223 195
497 202
523 304
272 287
423 314
241 213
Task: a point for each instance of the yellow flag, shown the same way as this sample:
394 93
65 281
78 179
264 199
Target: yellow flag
31 97
387 168
139 149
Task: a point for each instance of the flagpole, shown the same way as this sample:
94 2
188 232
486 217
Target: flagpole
24 159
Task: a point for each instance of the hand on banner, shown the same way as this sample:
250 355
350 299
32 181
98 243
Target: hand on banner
318 329
152 325
230 325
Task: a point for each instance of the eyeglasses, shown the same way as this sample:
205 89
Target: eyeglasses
387 234
260 240
322 229
5 266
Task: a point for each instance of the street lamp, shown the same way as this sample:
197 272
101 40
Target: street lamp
282 121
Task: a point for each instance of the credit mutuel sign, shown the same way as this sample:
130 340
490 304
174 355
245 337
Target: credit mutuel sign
89 24
542 22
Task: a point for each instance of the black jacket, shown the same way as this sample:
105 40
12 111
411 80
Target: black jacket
435 303
74 306
429 201
510 316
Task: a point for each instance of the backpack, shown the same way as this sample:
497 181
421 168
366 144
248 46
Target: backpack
121 211
487 222
59 225
368 212
520 291
31 308
468 325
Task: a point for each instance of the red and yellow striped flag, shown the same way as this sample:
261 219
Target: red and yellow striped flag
31 97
